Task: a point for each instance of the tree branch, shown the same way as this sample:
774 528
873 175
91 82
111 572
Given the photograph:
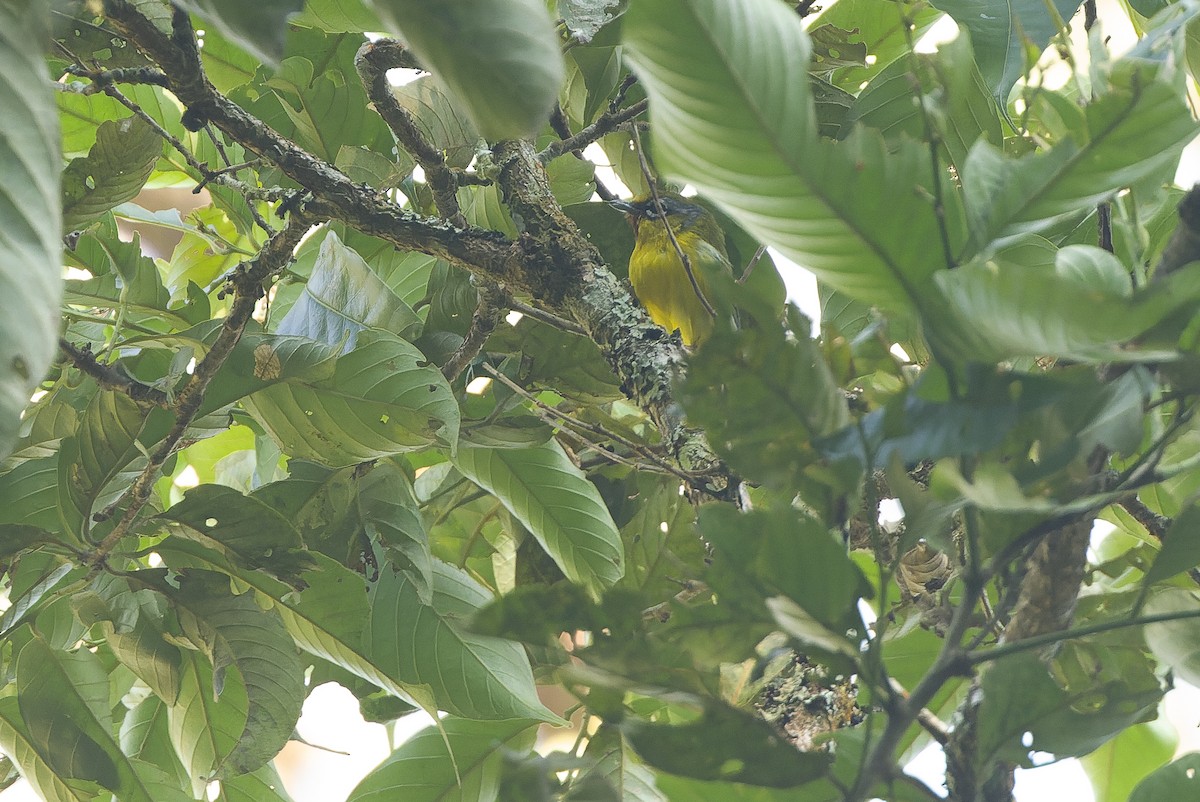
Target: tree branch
373 61
248 286
109 378
488 315
606 123
551 261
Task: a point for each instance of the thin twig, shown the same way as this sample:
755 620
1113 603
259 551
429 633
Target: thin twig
546 317
110 379
487 316
557 417
606 123
248 288
683 257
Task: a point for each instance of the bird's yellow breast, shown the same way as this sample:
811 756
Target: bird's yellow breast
661 283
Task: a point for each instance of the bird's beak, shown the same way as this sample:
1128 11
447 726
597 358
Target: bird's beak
625 206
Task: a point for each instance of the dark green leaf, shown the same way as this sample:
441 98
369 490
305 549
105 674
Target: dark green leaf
500 57
30 213
739 747
233 631
459 761
1002 34
1177 780
470 675
260 27
114 171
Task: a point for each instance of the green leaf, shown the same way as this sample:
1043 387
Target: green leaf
18 744
687 789
384 398
323 108
245 526
500 57
1116 768
763 397
1003 32
470 675
1020 696
438 117
1010 305
338 15
957 104
738 747
1175 643
30 213
204 727
854 213
557 504
132 623
781 552
63 701
260 27
342 297
1180 548
1177 780
389 514
235 632
261 785
883 34
462 763
114 171
617 763
145 735
104 446
1128 133
327 618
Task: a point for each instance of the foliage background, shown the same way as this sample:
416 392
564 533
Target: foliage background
683 543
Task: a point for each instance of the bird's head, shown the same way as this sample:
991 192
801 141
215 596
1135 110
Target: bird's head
670 209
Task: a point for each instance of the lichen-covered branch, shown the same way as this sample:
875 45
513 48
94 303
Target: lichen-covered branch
552 261
487 316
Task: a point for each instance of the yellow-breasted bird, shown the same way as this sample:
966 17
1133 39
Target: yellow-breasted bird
657 273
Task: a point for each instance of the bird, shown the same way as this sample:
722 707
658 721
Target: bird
658 276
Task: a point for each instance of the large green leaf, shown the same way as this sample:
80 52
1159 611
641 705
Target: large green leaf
105 444
233 631
384 398
241 524
342 297
1021 696
1176 780
556 502
475 676
30 213
764 397
1003 32
63 702
733 116
462 763
1116 768
338 15
617 763
260 27
1011 305
327 618
740 746
1134 130
500 57
113 172
132 623
203 726
19 746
